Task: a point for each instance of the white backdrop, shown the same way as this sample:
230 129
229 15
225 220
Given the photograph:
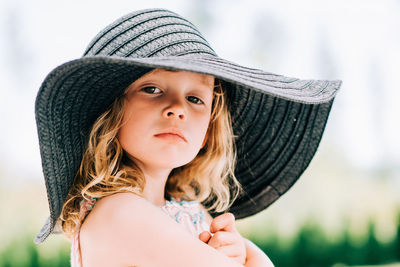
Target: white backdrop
356 41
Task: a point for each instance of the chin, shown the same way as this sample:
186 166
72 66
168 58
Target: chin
171 162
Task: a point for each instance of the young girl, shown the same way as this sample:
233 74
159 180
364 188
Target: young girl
152 145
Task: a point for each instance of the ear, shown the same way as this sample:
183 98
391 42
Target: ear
205 140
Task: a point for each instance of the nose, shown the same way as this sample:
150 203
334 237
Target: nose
175 110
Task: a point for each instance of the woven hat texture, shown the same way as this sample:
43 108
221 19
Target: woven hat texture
279 120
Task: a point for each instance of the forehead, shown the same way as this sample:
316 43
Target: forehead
205 79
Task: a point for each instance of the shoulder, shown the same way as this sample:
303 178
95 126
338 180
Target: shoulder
109 210
125 229
113 219
124 201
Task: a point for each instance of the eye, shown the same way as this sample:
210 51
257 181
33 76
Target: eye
150 90
195 100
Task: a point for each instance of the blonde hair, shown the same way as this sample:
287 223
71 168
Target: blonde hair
106 169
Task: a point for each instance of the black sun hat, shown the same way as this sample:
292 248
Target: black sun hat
278 120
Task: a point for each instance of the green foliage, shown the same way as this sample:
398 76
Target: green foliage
22 251
309 247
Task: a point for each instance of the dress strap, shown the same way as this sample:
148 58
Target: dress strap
86 206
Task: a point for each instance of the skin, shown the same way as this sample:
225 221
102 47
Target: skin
226 239
159 100
156 101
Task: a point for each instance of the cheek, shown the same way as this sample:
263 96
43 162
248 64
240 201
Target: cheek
127 134
123 134
202 126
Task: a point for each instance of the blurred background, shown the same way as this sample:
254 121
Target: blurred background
343 211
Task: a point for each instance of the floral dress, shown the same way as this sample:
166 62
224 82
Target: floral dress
186 213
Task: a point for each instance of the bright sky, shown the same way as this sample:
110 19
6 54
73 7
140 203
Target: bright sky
352 40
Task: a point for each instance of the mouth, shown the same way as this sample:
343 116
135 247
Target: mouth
172 133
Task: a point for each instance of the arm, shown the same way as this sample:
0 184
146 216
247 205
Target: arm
255 257
138 233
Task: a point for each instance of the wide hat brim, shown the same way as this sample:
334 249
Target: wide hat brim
278 121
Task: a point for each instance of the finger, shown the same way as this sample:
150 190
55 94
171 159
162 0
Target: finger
230 251
234 253
223 222
239 259
205 236
222 239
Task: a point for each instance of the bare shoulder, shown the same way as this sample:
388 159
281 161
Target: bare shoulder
125 229
105 224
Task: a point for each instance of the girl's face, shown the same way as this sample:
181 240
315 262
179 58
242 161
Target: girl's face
166 118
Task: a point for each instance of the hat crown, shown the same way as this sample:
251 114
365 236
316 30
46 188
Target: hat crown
149 33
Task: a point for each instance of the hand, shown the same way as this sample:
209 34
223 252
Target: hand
226 238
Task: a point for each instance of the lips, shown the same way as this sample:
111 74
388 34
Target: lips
172 131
